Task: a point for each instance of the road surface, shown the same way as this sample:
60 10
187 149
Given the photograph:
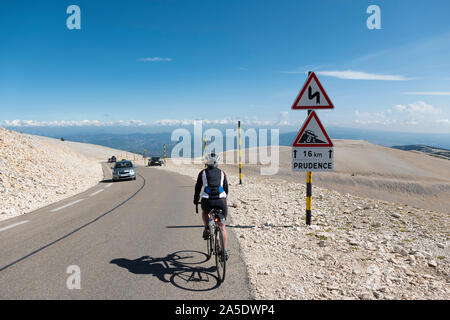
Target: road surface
129 240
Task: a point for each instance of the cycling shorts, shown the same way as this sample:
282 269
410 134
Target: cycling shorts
221 203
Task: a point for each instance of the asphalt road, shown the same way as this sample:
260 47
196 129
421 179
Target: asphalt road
129 240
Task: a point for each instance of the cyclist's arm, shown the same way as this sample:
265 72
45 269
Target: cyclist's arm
225 183
198 187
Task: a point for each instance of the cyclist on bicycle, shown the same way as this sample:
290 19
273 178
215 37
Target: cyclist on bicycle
214 195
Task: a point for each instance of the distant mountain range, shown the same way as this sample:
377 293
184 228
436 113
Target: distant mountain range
432 151
154 141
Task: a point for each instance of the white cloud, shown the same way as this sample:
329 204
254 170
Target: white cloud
360 75
429 93
281 121
399 107
406 116
381 122
418 107
374 118
283 118
173 122
226 121
154 59
71 123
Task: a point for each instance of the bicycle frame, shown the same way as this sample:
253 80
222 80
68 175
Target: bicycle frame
214 218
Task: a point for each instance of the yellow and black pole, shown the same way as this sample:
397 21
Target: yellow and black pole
204 153
308 197
165 165
308 187
240 152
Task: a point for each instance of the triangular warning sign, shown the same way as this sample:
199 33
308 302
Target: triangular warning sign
312 96
312 134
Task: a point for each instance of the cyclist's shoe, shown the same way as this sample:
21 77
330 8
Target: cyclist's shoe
206 234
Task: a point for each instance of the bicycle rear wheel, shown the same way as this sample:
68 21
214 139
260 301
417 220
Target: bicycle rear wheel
219 247
209 246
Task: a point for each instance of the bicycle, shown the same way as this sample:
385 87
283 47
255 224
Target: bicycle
215 244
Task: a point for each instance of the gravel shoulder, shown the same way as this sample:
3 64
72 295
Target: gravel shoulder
357 248
370 171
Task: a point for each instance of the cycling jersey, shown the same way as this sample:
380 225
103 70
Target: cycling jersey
214 182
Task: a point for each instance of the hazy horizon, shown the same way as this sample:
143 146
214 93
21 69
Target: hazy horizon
135 139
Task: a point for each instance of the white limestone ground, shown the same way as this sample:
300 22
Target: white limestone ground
35 173
356 248
90 151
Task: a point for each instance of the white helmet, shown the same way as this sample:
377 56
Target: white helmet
212 160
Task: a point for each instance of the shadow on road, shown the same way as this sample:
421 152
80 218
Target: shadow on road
183 227
238 226
77 229
181 268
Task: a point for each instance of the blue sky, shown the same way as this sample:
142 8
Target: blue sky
185 60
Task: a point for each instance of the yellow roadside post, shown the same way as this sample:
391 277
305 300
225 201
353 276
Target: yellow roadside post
165 165
240 152
308 187
308 193
204 154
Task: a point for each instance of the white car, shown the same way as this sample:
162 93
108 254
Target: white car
124 170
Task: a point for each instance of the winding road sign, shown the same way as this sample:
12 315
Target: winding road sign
312 96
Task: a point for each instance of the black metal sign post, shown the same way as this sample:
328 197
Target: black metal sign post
312 96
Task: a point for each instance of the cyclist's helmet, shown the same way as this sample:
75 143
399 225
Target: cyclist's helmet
212 160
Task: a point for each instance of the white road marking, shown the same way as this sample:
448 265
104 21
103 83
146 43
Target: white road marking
13 225
108 185
96 192
67 205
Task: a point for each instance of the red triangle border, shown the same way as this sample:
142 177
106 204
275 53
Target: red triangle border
302 130
300 95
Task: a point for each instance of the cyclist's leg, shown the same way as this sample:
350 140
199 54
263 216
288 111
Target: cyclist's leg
205 218
205 211
224 207
224 233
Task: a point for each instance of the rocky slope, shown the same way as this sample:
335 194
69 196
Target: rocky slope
35 173
356 248
371 171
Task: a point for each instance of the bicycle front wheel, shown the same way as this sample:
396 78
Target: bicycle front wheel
220 254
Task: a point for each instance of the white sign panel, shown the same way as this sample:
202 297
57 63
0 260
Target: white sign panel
312 159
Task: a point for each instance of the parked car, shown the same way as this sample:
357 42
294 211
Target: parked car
112 159
155 161
124 170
